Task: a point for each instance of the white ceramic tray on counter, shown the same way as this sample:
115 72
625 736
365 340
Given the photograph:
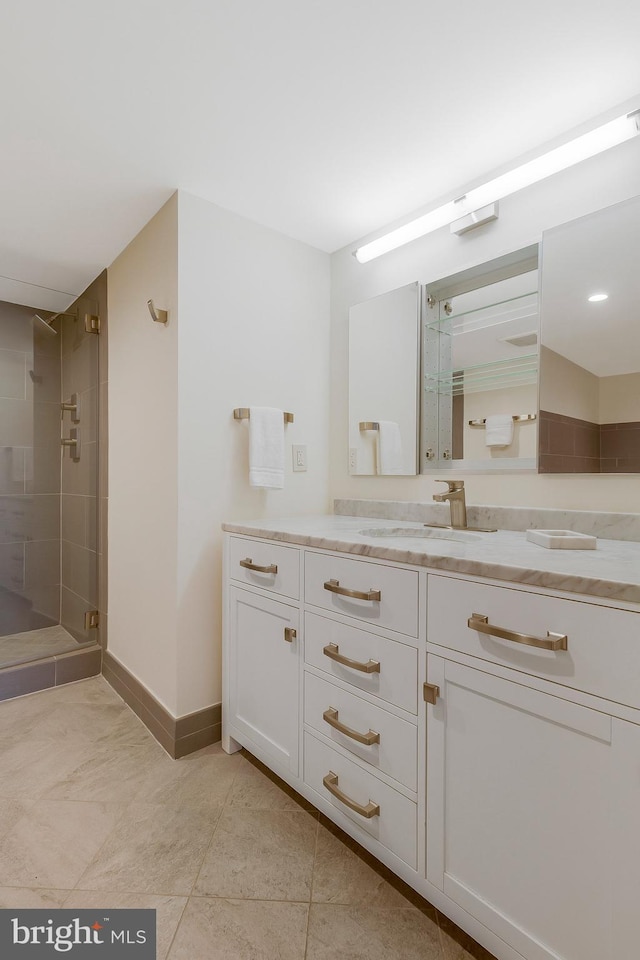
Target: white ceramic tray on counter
562 539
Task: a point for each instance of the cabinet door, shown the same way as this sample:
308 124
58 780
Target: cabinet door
529 798
264 675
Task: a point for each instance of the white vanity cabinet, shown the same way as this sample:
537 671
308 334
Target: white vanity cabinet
510 800
361 758
262 682
533 787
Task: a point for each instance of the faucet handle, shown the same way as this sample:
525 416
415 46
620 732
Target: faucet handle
453 485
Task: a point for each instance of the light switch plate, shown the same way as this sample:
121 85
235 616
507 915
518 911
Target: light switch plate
299 451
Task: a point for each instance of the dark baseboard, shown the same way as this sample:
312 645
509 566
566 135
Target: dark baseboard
179 737
37 675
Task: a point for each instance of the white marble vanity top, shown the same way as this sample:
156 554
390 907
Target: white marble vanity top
611 571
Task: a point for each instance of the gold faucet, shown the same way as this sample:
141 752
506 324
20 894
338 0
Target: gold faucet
457 502
455 496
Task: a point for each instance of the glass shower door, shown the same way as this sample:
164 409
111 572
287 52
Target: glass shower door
48 482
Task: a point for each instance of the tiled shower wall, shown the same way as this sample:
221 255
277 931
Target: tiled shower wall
29 473
569 445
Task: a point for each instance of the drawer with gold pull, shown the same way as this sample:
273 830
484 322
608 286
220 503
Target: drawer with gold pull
264 564
377 593
375 808
382 667
579 644
381 739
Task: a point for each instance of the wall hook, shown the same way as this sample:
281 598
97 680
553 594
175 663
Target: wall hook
160 316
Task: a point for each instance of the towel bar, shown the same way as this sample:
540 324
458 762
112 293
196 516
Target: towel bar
369 425
242 413
516 418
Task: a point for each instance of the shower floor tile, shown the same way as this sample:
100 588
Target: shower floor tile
35 645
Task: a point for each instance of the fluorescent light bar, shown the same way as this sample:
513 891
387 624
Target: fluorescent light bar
588 145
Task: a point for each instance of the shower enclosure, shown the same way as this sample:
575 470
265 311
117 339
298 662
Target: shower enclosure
49 503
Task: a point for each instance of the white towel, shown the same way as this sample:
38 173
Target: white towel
389 447
266 447
499 430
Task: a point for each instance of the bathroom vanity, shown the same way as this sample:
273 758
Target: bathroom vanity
465 706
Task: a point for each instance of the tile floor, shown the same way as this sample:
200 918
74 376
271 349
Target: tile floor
35 644
94 814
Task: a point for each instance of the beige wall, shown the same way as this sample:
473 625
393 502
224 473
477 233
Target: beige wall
567 388
143 452
593 184
254 330
620 398
248 325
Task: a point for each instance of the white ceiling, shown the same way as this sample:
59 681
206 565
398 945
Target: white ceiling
324 119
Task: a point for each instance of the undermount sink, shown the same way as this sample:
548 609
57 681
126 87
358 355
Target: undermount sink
419 533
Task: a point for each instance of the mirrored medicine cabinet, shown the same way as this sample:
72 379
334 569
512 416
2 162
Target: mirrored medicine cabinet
429 363
590 344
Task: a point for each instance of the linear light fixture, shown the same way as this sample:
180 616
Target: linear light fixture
588 145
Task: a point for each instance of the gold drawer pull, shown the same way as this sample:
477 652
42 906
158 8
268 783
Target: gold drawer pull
290 634
250 565
368 811
333 586
552 641
330 716
332 650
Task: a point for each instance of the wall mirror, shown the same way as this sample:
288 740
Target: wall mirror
383 383
480 367
590 344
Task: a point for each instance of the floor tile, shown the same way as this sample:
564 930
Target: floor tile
74 722
204 780
93 690
341 874
153 849
260 855
256 788
51 845
23 898
10 812
369 933
105 772
168 911
29 768
241 930
458 945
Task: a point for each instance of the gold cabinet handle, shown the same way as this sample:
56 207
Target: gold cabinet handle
250 565
552 641
367 811
333 586
290 634
332 650
330 716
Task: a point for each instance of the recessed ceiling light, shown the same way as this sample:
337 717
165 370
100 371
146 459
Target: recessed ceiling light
597 297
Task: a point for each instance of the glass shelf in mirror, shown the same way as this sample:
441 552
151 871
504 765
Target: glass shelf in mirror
479 359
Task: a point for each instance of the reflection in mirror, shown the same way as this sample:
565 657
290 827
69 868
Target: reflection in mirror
590 348
383 383
480 363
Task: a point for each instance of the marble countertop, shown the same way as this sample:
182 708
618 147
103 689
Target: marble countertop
610 571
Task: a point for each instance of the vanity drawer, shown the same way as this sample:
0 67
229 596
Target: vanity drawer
603 644
397 679
395 749
397 606
394 825
282 573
